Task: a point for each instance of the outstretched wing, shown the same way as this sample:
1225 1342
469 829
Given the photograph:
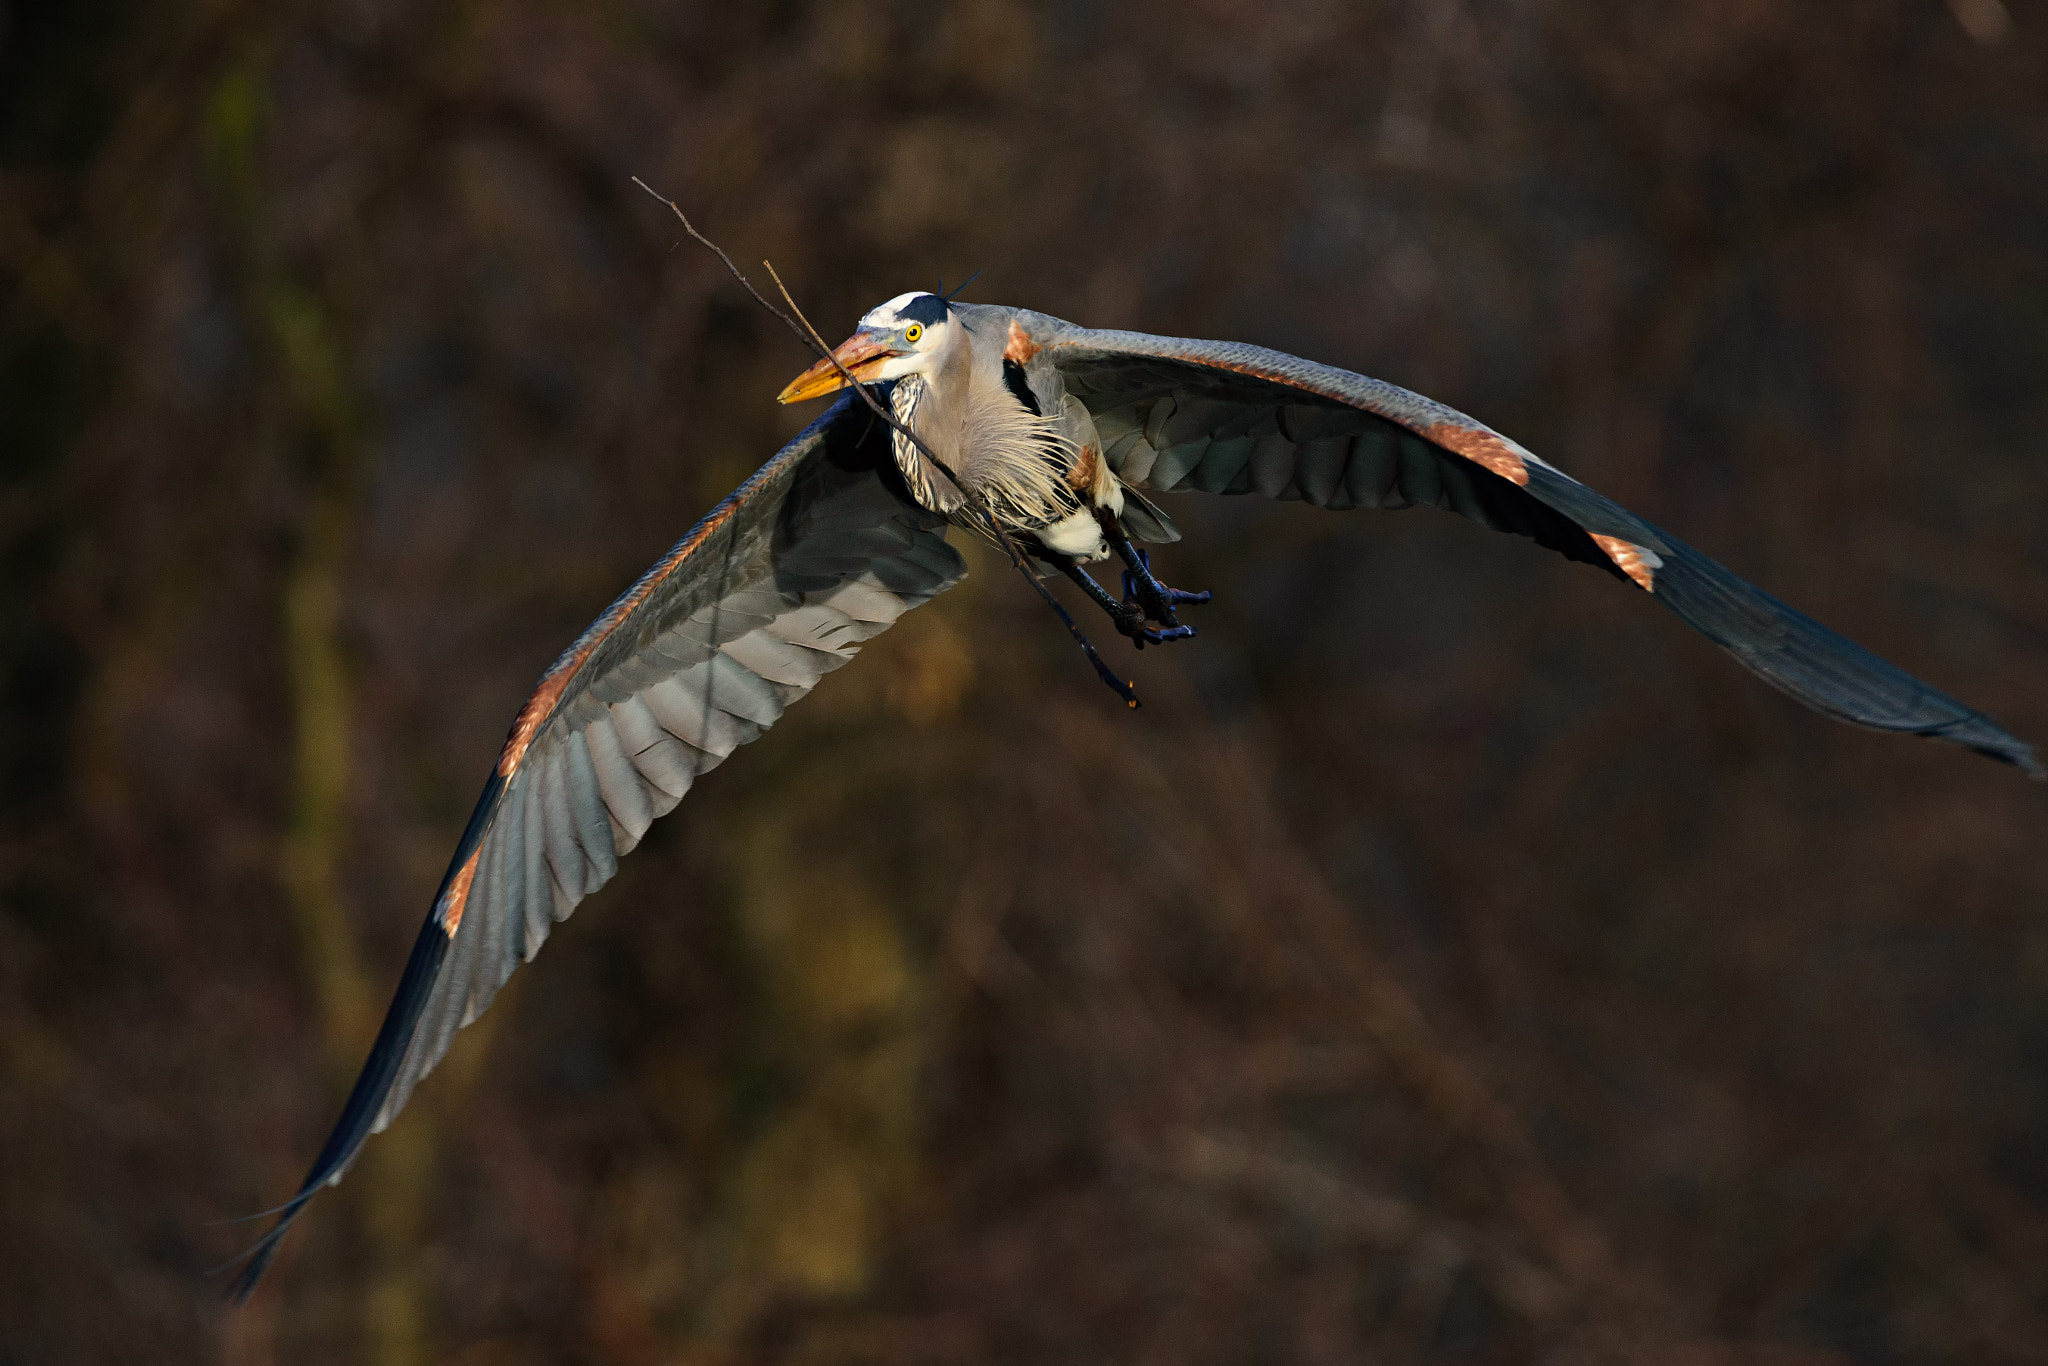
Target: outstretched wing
1224 417
822 549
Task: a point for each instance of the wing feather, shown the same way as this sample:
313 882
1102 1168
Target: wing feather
499 885
1272 466
558 821
1173 413
767 656
624 793
817 553
1319 467
593 826
532 902
686 712
669 766
1369 478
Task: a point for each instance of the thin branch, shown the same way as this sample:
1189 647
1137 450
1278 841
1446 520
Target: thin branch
996 531
1121 687
817 342
808 335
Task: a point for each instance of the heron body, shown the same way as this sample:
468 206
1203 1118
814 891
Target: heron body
1058 436
1026 453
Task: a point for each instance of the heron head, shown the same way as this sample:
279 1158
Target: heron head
905 336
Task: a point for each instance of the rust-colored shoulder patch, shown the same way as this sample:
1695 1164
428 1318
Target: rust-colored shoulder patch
1631 559
457 900
1020 348
1081 478
1482 448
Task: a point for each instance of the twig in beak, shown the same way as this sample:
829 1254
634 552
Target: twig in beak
809 336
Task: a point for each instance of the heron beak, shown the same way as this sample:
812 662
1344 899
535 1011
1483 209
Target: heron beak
860 355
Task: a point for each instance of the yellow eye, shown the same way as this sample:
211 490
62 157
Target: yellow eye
913 332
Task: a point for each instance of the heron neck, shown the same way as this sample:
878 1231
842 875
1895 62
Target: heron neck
913 402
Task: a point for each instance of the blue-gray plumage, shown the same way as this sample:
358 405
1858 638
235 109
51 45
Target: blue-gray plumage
1056 434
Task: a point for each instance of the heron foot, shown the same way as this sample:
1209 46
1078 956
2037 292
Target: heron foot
1143 591
1130 618
1131 621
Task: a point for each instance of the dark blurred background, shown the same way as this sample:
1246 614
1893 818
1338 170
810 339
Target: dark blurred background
1456 961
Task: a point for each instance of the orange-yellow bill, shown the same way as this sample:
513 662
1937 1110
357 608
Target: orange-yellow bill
860 354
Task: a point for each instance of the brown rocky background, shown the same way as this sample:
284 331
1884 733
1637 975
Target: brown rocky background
1456 961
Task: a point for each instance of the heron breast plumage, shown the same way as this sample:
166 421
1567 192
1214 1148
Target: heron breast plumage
1016 461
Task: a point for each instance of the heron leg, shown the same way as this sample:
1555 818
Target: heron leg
1142 589
1128 618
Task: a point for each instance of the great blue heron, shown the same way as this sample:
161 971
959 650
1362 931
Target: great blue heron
1055 433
